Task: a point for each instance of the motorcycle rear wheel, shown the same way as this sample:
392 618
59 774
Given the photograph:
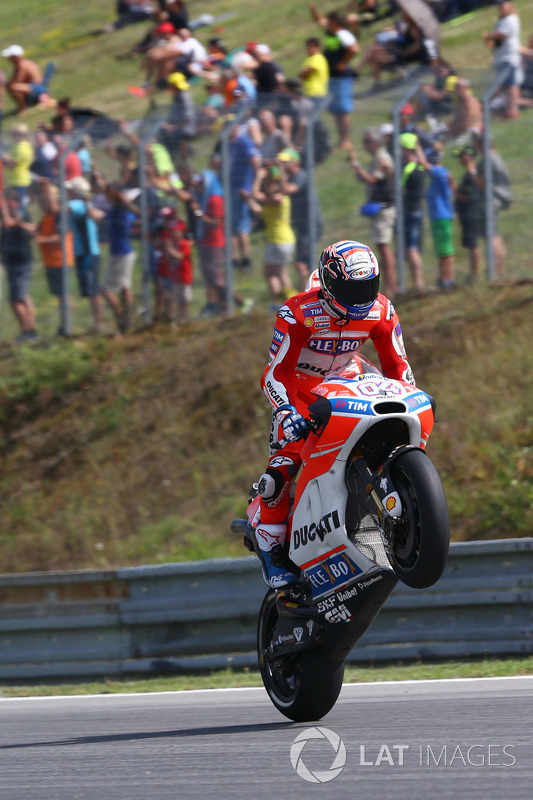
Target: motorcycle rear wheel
302 686
422 535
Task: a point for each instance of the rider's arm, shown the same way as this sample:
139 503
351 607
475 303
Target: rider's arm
284 350
388 341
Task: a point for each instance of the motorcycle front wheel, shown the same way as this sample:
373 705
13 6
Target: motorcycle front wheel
422 534
303 686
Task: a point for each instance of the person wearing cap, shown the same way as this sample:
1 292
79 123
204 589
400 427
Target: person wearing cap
467 113
17 258
341 47
26 80
439 199
379 180
181 121
83 222
18 160
504 41
413 186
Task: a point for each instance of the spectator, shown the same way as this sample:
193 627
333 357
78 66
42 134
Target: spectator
160 59
297 187
176 11
469 207
62 121
83 220
380 207
341 46
181 121
294 111
467 112
130 12
274 204
17 258
501 194
268 74
413 183
208 207
315 72
407 125
406 48
504 40
273 139
72 163
117 282
245 162
26 81
44 156
440 208
18 161
192 55
526 87
83 151
49 241
436 100
174 264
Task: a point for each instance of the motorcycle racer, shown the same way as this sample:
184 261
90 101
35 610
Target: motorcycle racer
316 331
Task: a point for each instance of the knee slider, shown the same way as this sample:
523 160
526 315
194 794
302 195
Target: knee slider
270 484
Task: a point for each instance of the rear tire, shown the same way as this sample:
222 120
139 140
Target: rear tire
303 686
422 537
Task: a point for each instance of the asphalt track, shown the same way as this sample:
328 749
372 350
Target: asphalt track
434 739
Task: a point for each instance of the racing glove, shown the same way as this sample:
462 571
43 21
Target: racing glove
293 424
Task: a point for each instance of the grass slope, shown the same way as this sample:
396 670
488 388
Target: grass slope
143 450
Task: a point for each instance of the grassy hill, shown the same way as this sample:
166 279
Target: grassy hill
143 450
117 452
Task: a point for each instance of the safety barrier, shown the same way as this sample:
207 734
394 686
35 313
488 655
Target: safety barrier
186 617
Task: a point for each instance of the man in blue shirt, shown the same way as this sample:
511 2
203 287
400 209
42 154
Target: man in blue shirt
117 283
245 162
440 208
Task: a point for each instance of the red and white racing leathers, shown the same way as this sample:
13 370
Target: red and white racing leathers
308 342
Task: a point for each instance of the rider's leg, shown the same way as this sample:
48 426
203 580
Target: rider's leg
271 532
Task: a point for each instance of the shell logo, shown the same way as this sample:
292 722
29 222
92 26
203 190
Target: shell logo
308 321
390 503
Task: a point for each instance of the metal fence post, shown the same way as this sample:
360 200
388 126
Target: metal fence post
311 186
63 231
489 206
398 185
229 123
148 136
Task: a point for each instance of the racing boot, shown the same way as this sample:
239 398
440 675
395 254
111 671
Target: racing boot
270 539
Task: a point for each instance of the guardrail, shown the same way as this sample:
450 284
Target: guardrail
185 617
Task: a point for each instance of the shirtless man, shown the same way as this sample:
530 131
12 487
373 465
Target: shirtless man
26 77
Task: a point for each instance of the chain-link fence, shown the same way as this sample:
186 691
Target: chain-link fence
189 213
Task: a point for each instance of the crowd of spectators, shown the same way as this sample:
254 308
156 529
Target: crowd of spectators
269 163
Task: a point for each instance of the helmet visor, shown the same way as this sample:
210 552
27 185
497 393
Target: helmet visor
352 292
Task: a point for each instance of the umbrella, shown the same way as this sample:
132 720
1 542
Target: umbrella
423 15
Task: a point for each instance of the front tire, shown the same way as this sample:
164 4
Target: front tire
422 534
303 686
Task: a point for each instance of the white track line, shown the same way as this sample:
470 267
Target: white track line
367 685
